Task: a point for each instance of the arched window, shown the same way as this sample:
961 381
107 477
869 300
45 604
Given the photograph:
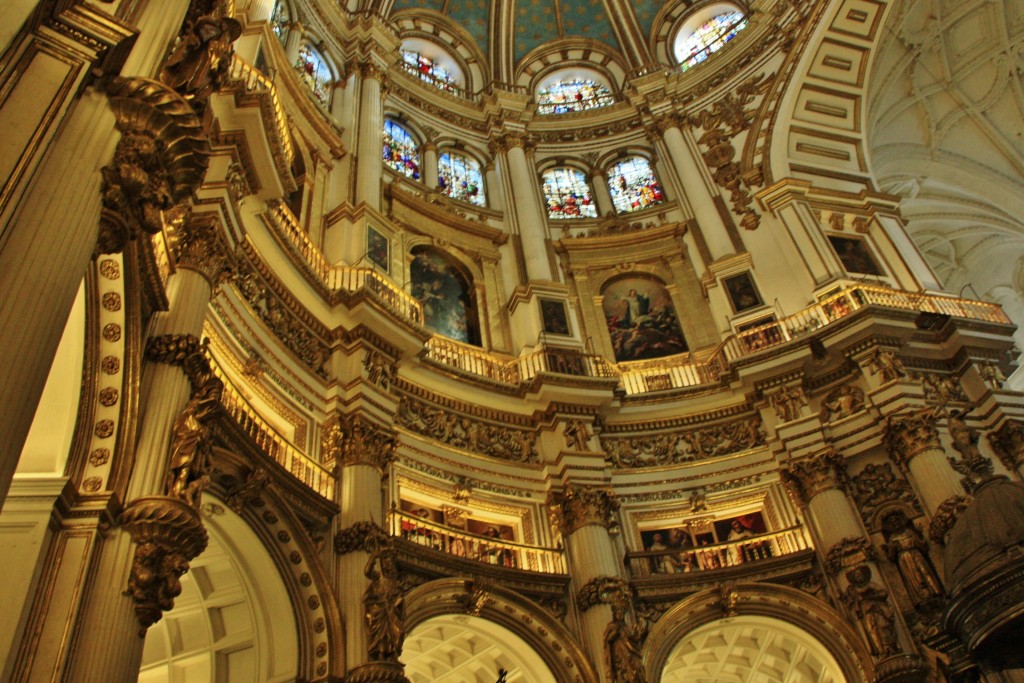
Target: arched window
706 32
641 319
567 194
458 176
280 19
430 71
400 150
314 73
633 185
573 94
449 302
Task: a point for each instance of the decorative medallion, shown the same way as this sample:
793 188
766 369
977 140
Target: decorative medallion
104 428
92 484
112 332
110 269
110 365
112 301
108 396
99 457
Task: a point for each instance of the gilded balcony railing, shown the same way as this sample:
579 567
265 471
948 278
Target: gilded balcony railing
263 434
740 552
476 547
473 360
256 82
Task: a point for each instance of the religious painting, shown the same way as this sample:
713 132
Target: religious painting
743 295
378 249
855 256
641 319
554 316
446 293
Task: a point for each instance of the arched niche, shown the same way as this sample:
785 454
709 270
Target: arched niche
234 618
507 614
813 630
447 294
680 19
641 318
316 71
572 56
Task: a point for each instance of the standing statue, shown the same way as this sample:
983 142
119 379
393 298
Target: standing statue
906 547
201 60
992 375
886 364
622 649
869 602
384 607
576 435
188 472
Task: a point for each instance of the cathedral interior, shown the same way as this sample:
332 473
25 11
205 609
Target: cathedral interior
476 341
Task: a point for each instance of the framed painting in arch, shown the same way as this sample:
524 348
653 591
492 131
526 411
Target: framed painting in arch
378 249
855 255
742 291
555 317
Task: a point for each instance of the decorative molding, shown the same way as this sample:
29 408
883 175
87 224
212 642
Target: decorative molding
459 431
654 450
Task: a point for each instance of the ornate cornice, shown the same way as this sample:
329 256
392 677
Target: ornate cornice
578 506
806 478
908 435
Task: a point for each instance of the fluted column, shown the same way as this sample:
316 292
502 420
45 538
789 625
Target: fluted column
525 211
364 452
161 528
584 515
495 192
369 157
914 446
702 200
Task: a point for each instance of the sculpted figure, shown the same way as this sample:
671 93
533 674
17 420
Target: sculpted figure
576 435
906 547
188 471
992 375
843 402
201 60
886 364
384 607
622 649
869 602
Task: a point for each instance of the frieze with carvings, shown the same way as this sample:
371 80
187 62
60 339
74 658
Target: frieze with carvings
459 431
296 337
877 486
940 389
689 446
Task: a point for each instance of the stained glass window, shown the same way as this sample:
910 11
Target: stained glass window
429 71
577 94
400 150
693 48
314 73
567 194
459 177
279 20
633 185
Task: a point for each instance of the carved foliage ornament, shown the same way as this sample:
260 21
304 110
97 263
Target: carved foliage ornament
945 517
602 590
168 534
365 442
364 536
908 435
652 450
577 506
199 246
494 440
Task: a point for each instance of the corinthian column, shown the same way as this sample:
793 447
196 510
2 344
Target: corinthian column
819 485
369 146
584 515
913 443
523 207
367 575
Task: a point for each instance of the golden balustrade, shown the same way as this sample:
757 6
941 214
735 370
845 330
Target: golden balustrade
256 82
265 436
476 547
740 552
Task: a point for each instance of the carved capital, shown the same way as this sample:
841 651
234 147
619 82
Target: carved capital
365 536
849 552
576 507
907 436
1008 444
364 442
503 142
198 245
168 534
188 353
806 478
603 590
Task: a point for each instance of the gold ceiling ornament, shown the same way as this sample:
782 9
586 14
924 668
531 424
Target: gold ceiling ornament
578 506
168 534
816 474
